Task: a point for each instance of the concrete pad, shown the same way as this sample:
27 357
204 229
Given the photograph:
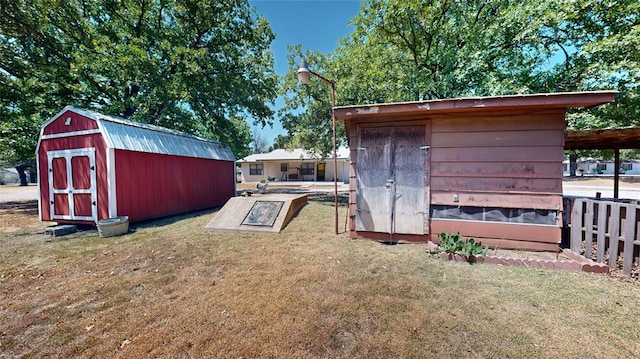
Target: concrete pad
272 213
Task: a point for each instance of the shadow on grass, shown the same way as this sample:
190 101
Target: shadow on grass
22 207
168 220
327 198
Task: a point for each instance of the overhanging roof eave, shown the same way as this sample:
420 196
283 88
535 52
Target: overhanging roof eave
603 139
543 101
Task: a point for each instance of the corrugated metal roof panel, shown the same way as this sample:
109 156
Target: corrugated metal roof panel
123 134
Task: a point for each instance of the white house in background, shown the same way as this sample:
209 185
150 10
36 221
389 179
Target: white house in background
590 166
293 165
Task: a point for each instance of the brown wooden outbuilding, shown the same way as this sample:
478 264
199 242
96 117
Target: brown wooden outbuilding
487 167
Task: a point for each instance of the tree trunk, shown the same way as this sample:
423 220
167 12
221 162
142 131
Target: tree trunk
573 164
22 175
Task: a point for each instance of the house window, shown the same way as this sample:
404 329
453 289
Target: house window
255 169
284 167
307 169
626 167
600 167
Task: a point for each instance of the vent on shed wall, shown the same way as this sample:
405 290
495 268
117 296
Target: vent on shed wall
495 214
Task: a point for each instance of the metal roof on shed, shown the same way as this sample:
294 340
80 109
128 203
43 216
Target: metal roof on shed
123 134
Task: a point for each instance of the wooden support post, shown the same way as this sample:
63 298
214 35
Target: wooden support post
616 174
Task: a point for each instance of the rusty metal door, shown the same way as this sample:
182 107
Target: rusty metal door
390 180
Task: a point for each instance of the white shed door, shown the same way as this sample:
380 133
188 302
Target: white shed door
72 184
390 180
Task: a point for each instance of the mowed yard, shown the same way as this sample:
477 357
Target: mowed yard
171 289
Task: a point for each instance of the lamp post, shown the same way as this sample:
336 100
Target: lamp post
303 76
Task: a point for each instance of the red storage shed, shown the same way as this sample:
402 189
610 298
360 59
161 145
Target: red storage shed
92 167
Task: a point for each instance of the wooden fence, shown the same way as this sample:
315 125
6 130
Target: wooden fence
604 231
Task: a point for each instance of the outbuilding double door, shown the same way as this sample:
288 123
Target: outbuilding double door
391 180
72 184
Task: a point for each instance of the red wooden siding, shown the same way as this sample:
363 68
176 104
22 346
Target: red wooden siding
496 154
499 161
502 235
497 169
77 123
504 200
153 185
518 156
73 142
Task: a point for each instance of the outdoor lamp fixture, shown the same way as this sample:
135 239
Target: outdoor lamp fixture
303 76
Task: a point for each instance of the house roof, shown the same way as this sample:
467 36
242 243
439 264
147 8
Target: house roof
292 155
123 134
540 101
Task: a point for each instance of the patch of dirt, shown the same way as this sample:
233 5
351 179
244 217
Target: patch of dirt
18 215
625 181
13 192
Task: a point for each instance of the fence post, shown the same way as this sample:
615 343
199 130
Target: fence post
603 208
588 228
576 225
629 237
614 236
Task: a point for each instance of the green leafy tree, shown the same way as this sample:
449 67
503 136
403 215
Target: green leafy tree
414 50
600 42
198 66
280 142
408 50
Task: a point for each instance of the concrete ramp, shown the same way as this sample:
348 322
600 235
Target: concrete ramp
258 213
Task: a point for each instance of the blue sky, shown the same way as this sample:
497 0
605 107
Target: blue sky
314 24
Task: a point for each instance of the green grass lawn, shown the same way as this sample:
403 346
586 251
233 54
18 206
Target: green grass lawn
171 289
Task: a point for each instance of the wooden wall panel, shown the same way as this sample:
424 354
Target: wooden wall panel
77 123
500 122
530 138
502 243
496 185
503 200
513 231
497 169
493 154
154 185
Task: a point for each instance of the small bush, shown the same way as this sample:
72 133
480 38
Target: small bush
453 243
